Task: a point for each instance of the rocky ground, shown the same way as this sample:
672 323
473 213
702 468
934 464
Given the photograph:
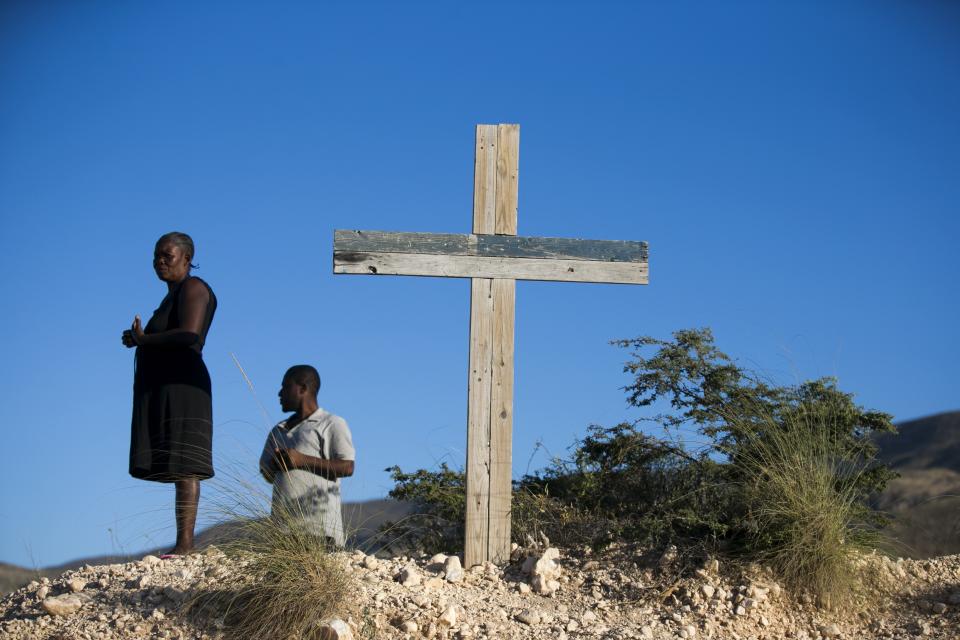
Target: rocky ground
543 593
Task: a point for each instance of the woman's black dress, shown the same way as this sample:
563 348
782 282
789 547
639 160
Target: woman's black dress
172 427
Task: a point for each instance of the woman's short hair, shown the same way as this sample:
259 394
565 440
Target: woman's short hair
182 240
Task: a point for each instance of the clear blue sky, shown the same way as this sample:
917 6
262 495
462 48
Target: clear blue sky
795 168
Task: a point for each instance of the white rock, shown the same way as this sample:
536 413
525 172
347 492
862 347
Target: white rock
545 573
335 629
409 626
523 588
43 592
708 591
437 560
433 584
151 560
77 584
63 605
409 576
452 570
830 631
449 616
589 616
528 616
370 562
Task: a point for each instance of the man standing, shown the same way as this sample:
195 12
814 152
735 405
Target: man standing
305 456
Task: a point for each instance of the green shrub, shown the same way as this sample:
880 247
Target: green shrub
438 499
784 475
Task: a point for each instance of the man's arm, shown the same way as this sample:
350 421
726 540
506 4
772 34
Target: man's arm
330 469
267 464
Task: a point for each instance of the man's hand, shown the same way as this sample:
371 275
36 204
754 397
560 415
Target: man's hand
287 459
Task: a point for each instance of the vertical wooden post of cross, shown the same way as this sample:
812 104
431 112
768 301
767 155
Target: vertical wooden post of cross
490 387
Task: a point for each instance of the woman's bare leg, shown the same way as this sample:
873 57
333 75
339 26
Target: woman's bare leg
188 497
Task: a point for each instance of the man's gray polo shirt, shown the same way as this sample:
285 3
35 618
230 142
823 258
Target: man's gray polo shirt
305 494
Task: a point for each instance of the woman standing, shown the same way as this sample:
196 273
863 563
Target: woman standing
172 427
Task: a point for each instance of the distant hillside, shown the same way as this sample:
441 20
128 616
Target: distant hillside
924 443
925 500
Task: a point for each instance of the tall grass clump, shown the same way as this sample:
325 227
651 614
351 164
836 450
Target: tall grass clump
806 507
288 581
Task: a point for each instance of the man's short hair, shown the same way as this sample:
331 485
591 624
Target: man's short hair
304 374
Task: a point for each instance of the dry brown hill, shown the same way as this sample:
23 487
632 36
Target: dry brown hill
925 500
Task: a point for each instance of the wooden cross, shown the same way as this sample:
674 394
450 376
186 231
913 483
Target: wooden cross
493 257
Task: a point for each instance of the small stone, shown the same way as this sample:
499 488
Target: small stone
523 588
77 584
452 570
409 576
433 584
938 607
669 556
63 605
740 610
43 592
409 626
151 560
370 562
708 591
449 616
830 631
335 629
589 616
528 616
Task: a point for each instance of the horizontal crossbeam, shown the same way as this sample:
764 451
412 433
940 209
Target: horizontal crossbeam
489 245
490 256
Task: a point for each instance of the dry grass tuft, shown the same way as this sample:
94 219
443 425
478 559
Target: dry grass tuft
810 521
287 582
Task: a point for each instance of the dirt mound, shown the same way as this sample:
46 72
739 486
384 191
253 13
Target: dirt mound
542 594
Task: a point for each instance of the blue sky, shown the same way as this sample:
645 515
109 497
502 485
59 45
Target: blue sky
795 168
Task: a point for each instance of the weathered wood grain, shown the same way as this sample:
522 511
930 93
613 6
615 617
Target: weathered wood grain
412 264
503 292
480 383
508 174
477 526
501 420
346 241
